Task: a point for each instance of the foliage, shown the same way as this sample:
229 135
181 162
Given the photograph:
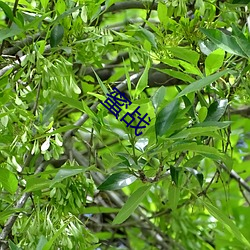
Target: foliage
72 176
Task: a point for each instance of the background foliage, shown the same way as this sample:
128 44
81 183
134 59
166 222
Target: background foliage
72 176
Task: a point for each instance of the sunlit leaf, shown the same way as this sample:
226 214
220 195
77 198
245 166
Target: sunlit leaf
7 10
143 81
158 97
8 180
67 172
49 244
216 110
214 61
198 85
185 54
131 204
117 181
223 41
34 183
173 196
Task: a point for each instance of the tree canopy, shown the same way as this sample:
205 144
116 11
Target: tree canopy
124 124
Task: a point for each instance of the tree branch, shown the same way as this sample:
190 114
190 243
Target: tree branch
236 177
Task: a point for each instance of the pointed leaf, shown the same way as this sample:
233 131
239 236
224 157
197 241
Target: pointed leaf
173 196
174 172
13 246
166 117
143 81
66 172
104 89
223 41
186 54
56 35
216 110
49 244
132 203
8 180
214 61
198 175
7 10
117 181
198 85
158 97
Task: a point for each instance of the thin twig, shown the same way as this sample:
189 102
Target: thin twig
148 14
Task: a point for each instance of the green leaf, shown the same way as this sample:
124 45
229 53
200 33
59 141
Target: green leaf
41 243
174 172
219 125
9 32
189 68
197 85
132 203
143 81
49 110
166 117
9 211
204 150
66 172
223 41
198 175
193 132
186 54
177 74
8 180
7 10
56 35
244 45
162 12
44 3
13 246
227 223
202 114
117 181
33 183
158 97
216 110
147 35
173 196
104 89
49 244
70 101
214 61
